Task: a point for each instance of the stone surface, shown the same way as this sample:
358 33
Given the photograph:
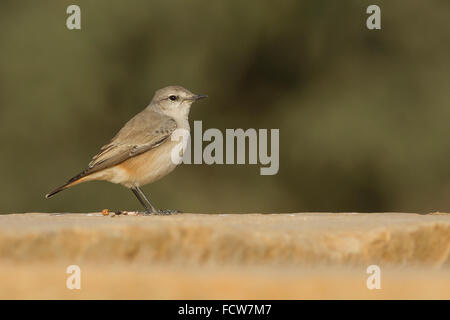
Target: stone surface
301 255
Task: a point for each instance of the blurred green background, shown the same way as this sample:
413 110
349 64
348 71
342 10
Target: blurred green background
363 115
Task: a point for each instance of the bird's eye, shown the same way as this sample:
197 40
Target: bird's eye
173 98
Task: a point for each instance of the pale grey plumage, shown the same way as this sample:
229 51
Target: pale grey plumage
145 132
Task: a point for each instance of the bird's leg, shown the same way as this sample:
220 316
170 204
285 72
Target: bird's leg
149 208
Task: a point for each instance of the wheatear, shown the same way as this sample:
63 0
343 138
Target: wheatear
140 153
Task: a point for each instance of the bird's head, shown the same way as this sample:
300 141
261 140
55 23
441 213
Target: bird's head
175 101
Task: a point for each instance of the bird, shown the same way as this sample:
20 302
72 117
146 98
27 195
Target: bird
140 153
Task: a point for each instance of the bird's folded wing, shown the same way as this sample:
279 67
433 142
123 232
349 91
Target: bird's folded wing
145 131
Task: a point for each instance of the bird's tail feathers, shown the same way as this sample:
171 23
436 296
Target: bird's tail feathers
72 182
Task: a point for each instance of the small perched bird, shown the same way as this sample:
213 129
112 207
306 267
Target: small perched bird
140 153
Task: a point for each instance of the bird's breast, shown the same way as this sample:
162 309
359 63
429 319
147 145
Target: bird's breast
147 167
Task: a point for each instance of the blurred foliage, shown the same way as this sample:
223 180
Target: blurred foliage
363 115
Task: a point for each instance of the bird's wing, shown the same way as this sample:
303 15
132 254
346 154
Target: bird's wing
145 131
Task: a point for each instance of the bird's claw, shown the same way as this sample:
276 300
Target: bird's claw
167 212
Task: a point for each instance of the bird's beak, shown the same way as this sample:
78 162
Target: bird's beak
199 96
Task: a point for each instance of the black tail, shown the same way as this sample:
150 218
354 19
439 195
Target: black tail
73 181
51 194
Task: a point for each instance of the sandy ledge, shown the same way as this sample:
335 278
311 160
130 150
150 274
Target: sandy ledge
301 255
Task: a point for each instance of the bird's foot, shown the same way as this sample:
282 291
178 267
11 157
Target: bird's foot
163 212
166 212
